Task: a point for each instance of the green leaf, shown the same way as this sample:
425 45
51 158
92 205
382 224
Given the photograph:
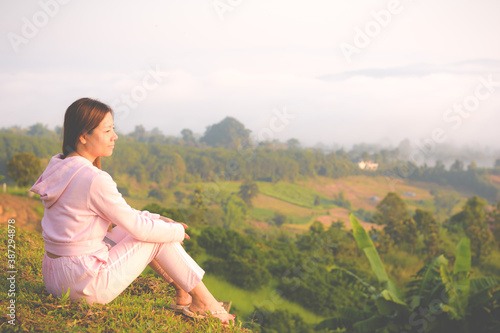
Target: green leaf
394 292
389 304
458 284
371 324
428 280
480 291
365 243
462 256
349 276
483 283
334 323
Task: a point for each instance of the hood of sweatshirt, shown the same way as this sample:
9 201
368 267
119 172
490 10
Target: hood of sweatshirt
57 176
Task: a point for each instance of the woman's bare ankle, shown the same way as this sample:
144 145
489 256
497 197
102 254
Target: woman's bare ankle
182 297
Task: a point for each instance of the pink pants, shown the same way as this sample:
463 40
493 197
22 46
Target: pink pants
101 276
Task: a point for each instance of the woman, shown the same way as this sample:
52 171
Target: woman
82 202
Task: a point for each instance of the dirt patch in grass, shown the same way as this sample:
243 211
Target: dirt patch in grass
362 190
336 214
495 179
260 225
22 209
343 215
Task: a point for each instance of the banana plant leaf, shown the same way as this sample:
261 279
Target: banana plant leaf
352 278
457 284
480 291
365 243
427 283
391 291
462 256
371 324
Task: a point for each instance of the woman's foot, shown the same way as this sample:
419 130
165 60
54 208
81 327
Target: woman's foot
215 309
182 297
204 302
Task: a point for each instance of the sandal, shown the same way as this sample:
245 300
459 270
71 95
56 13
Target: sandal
187 312
179 307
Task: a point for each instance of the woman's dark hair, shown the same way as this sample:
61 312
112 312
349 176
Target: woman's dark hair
81 117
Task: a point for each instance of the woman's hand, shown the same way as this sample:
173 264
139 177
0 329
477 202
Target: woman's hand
166 219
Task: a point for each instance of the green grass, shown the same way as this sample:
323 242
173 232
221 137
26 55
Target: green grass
292 193
244 301
302 220
265 214
142 307
16 190
228 187
40 211
261 214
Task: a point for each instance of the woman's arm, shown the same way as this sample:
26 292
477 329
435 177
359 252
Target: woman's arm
108 203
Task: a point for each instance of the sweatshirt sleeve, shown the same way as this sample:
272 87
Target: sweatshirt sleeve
108 203
148 214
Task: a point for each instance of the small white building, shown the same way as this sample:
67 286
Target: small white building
370 165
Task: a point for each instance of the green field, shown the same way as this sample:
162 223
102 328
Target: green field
292 193
244 302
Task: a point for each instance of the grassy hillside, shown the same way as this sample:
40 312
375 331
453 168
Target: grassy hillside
141 308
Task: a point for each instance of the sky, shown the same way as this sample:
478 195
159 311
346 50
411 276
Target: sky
336 72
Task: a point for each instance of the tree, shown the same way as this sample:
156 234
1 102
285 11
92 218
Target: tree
428 226
495 219
341 200
391 210
480 238
159 194
472 219
457 166
39 130
280 219
229 134
439 166
409 233
235 210
445 202
139 133
24 168
197 206
293 143
188 136
179 196
248 191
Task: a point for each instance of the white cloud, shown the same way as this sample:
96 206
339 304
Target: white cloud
264 55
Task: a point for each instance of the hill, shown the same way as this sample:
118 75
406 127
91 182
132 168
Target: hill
140 308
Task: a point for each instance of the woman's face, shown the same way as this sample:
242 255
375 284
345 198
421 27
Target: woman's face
102 140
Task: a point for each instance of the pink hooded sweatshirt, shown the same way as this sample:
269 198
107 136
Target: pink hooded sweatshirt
81 201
